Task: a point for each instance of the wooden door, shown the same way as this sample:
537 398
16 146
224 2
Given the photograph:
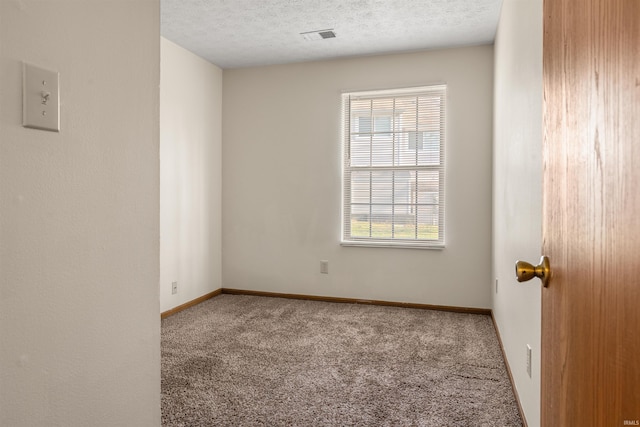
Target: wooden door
591 220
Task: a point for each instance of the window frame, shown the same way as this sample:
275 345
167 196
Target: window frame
348 137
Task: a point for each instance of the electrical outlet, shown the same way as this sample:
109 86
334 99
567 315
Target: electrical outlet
174 288
324 267
496 285
529 360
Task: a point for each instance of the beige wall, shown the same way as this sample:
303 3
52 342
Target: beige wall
79 241
517 191
190 175
282 186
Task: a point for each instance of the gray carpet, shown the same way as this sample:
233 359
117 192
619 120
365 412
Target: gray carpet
257 361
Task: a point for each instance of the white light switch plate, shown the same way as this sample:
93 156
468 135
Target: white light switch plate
40 98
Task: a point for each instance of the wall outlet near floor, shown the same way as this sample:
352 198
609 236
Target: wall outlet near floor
324 266
529 360
174 288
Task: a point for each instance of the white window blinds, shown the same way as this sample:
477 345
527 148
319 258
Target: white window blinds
393 175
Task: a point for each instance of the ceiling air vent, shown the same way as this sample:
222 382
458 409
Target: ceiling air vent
329 34
319 35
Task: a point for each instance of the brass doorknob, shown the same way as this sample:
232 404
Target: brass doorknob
526 271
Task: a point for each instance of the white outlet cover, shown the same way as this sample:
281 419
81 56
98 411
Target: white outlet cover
40 98
324 267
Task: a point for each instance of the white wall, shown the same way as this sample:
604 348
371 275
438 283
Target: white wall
79 241
190 175
517 191
282 185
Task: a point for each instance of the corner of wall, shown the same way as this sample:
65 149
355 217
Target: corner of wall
190 176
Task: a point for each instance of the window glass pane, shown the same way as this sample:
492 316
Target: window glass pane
382 107
381 221
428 222
360 111
429 148
404 187
360 187
382 124
430 110
405 111
428 187
360 151
360 221
405 222
405 155
382 150
364 124
415 140
382 187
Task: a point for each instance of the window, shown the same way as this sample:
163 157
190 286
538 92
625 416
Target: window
393 175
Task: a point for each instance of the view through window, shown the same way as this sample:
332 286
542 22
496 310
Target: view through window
393 173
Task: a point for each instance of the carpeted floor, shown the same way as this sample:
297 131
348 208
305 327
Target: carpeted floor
257 361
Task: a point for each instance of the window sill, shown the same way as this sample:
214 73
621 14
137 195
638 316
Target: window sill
400 245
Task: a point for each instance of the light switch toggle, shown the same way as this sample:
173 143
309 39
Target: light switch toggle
45 97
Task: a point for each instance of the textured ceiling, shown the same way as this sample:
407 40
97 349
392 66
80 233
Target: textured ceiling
243 33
